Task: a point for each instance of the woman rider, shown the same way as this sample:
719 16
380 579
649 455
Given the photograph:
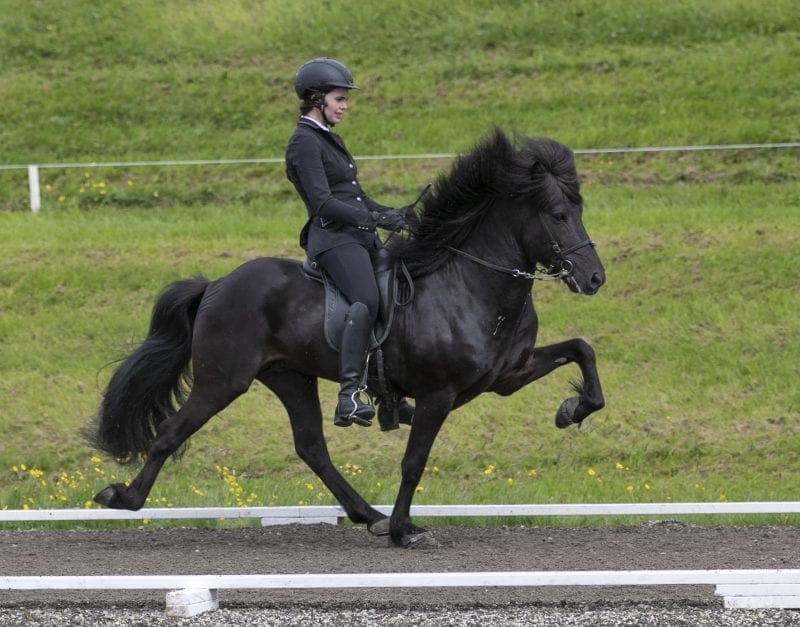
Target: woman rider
340 232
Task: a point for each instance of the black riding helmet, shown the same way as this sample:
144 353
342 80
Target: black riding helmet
322 74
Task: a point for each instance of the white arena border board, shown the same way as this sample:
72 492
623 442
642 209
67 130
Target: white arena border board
194 594
334 513
198 593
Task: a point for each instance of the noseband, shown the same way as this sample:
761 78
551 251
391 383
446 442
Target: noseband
561 267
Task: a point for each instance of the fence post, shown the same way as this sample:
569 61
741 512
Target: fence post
33 186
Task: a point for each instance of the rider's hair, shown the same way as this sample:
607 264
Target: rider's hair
312 99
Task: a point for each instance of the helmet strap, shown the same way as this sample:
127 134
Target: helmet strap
318 102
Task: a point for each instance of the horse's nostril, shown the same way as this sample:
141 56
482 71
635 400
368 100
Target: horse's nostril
597 279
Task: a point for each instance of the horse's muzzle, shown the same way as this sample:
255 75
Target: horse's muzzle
588 288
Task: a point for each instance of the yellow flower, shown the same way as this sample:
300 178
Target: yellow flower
87 505
95 459
591 472
532 472
618 466
419 488
629 488
488 470
646 486
510 481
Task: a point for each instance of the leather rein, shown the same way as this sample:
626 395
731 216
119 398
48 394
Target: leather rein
561 268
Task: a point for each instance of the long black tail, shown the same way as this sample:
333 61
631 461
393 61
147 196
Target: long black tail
152 383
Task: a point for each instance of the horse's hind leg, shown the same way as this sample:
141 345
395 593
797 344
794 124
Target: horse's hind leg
203 403
300 396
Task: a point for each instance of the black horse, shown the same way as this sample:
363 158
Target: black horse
505 209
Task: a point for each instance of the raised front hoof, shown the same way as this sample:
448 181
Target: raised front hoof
565 416
113 497
421 539
380 527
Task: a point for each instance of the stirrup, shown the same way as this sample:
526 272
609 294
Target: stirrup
360 414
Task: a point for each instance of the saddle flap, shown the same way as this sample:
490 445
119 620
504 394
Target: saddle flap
337 306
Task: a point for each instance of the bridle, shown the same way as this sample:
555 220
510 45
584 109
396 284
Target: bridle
561 267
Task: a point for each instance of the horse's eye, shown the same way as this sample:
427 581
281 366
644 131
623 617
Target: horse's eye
560 216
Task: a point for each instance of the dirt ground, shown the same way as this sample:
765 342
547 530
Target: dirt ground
339 549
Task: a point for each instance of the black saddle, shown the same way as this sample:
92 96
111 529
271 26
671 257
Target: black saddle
337 306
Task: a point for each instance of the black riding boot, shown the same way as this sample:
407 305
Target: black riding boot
352 356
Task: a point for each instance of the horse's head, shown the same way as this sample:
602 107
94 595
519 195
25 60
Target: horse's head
557 237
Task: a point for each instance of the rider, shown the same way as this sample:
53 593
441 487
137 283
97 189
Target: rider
340 231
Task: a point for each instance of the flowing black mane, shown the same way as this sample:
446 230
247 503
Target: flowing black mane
539 170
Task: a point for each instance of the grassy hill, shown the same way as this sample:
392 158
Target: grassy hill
696 331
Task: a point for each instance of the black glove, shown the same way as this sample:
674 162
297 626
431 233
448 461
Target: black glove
390 220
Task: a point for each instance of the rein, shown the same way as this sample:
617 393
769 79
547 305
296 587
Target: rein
565 266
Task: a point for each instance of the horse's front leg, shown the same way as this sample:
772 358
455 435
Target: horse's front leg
429 415
543 360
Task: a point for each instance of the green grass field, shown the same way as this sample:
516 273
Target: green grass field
696 331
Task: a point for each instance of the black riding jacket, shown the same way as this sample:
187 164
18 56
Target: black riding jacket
325 175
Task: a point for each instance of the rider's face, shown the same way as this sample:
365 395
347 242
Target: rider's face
336 104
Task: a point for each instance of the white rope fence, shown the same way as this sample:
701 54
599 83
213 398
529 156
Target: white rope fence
35 194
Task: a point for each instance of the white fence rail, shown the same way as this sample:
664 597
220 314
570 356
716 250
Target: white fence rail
335 513
35 194
194 594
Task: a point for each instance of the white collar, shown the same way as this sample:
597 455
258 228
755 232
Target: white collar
322 126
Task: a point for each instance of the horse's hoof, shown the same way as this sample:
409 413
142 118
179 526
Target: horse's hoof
114 496
421 540
106 497
379 527
565 413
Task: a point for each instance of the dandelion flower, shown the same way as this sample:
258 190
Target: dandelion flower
591 472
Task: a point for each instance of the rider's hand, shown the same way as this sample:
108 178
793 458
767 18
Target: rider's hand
390 220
